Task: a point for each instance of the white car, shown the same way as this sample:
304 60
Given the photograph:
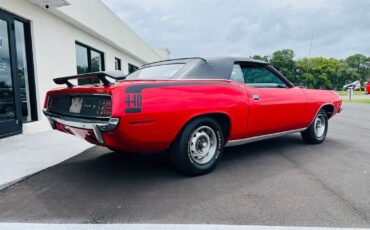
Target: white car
356 85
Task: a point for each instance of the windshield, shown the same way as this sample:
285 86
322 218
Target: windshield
159 72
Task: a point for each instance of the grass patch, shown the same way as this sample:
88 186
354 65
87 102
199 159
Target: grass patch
366 101
345 93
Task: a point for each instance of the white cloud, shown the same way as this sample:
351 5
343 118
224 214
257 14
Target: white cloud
238 27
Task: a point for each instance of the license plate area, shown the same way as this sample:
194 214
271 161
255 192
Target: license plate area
76 104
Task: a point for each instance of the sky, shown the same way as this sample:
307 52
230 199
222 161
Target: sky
339 28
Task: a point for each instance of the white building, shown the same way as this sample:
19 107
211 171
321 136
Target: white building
44 39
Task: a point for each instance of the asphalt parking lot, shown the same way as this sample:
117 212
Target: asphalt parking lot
276 182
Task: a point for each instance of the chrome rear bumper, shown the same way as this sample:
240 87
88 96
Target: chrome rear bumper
340 109
97 126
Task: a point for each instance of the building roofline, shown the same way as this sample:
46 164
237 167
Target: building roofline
136 50
131 30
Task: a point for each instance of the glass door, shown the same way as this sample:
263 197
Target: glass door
10 120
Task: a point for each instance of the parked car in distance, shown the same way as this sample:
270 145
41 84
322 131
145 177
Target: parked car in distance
356 86
192 106
367 88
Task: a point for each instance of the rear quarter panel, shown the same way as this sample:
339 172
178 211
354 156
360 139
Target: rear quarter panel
167 106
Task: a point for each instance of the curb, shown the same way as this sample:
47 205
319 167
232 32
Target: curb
13 182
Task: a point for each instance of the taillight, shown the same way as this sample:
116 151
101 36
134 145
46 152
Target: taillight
52 104
105 107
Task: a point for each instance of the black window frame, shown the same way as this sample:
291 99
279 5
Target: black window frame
132 68
89 49
30 64
119 64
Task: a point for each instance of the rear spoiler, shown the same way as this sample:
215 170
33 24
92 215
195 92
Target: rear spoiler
116 75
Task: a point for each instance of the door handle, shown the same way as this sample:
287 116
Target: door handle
256 97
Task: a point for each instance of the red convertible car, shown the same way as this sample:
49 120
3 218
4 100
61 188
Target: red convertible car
192 106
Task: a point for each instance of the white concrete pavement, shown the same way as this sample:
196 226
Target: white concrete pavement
10 226
24 155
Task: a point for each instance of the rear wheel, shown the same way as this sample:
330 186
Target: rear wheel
316 133
198 147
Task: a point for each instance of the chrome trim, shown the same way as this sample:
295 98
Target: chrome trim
52 122
98 135
260 138
103 126
256 97
340 109
96 126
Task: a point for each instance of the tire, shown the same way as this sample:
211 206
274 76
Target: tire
198 147
316 132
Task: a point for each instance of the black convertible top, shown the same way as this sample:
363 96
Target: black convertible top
199 68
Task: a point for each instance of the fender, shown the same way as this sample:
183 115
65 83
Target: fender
212 114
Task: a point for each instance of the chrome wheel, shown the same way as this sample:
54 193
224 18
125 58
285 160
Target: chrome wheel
320 126
203 145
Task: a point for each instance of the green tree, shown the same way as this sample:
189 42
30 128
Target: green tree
283 60
344 74
307 80
359 62
261 58
324 71
319 72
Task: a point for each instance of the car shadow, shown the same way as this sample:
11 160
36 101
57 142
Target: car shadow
101 186
115 165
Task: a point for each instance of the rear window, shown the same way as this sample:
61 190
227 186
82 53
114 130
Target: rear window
159 72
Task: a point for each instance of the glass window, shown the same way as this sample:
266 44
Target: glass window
7 106
82 59
132 68
22 71
117 64
96 61
96 64
18 103
159 72
237 74
260 77
88 60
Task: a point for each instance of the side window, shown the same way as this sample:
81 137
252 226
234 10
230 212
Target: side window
260 77
237 74
132 68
